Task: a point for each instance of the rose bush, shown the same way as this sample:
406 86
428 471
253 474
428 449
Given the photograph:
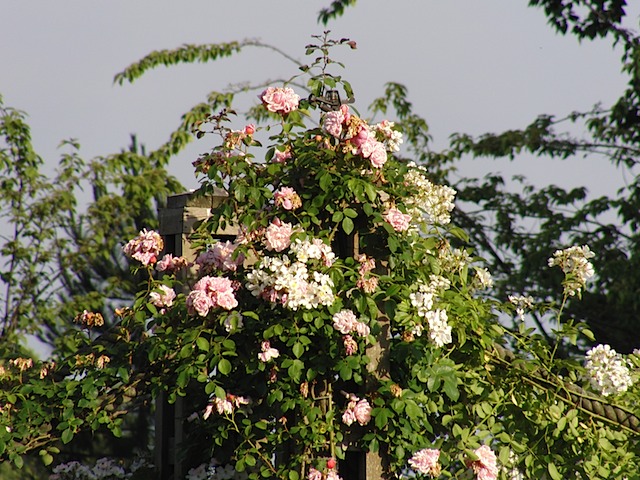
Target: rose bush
348 315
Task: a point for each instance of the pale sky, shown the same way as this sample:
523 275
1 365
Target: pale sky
470 66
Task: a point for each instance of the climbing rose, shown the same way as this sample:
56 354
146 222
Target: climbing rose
398 220
345 321
332 123
357 410
485 467
280 100
426 461
314 474
281 157
145 247
198 302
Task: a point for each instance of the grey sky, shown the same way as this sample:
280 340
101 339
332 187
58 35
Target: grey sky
470 66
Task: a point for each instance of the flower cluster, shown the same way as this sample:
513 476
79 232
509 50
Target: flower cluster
333 121
292 283
225 406
365 281
437 320
314 249
522 303
287 198
607 371
358 410
576 266
213 471
430 200
391 137
104 469
281 100
211 292
365 144
145 247
485 467
482 278
345 322
89 319
220 256
426 461
315 474
171 264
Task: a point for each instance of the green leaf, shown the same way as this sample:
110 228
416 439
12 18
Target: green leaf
224 366
203 344
298 349
66 436
553 471
347 225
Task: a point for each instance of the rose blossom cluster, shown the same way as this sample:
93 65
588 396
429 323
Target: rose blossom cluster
346 322
576 266
225 405
315 474
607 371
430 200
426 461
214 471
287 198
280 99
365 281
220 256
366 144
358 410
398 220
171 264
486 466
211 292
291 284
281 156
267 352
145 247
104 468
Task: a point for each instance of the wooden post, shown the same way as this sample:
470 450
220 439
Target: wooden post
177 222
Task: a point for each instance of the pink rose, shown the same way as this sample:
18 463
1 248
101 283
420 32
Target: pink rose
362 412
348 417
485 467
281 157
164 298
426 461
170 264
344 321
278 235
398 220
378 155
267 352
198 302
314 474
280 100
145 247
249 129
332 123
362 329
287 198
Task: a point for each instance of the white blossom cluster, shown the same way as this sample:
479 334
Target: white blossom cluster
104 468
434 201
522 303
482 278
423 301
213 471
576 266
314 249
291 284
392 139
514 472
454 259
607 371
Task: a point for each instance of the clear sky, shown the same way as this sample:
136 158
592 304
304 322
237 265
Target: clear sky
470 66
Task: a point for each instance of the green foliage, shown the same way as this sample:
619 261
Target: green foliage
335 10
